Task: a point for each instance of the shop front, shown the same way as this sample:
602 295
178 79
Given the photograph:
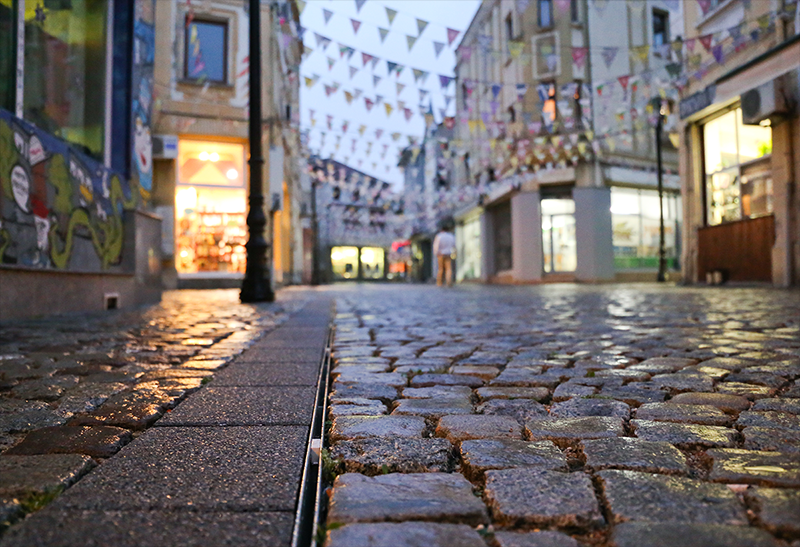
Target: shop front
210 209
350 263
468 246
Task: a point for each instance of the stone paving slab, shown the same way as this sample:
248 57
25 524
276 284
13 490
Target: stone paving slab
97 442
69 528
685 434
592 427
405 534
755 467
776 509
683 414
380 455
360 427
48 474
464 427
441 497
534 539
654 534
634 455
255 374
432 408
479 456
771 439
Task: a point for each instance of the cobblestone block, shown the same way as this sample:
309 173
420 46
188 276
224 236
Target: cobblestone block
591 427
478 456
754 467
634 455
432 408
22 476
524 377
633 496
758 378
428 380
404 534
20 416
627 375
364 391
633 395
731 404
438 392
537 393
380 455
685 435
681 534
521 410
10 511
769 418
580 406
661 365
683 414
776 509
750 391
683 382
461 428
542 498
567 391
97 442
482 372
357 369
534 539
771 439
792 406
391 379
441 497
360 427
450 351
375 409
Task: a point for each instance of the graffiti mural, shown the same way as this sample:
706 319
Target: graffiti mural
59 209
142 107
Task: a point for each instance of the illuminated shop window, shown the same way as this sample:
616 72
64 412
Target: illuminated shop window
344 262
635 220
372 262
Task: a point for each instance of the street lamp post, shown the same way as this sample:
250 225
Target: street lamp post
257 286
662 261
315 235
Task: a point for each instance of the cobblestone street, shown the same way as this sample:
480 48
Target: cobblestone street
563 415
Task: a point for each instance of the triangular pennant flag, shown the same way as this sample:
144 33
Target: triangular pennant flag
329 90
438 47
378 99
421 26
579 56
390 67
422 93
331 62
401 105
390 14
357 93
309 81
522 89
353 70
368 103
375 80
378 133
496 90
384 32
399 87
452 34
609 54
515 49
327 14
301 5
408 113
388 108
395 136
417 74
361 129
360 4
411 41
718 54
348 97
706 41
365 58
356 25
444 81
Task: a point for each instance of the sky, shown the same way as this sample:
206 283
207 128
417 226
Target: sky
439 14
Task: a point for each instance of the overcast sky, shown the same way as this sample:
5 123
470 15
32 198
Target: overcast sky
440 15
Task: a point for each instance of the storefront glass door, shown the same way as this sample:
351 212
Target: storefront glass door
558 235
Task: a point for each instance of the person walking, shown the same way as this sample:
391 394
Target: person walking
444 248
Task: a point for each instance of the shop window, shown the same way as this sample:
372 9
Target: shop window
503 248
65 44
635 218
206 51
737 167
7 55
558 235
210 208
344 262
545 13
468 240
660 30
372 262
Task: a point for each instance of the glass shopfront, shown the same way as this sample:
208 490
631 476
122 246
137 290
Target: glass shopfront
468 256
345 263
635 218
737 168
210 208
558 235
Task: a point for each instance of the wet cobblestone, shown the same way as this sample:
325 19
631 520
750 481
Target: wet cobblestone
635 414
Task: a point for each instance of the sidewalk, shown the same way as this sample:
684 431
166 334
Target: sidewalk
222 468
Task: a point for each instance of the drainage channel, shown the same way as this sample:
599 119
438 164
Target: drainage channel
309 503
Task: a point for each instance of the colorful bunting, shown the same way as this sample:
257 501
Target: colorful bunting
444 81
609 54
438 47
452 35
331 62
375 80
365 58
327 14
411 41
383 32
353 71
360 4
515 48
399 87
706 41
356 25
388 108
421 24
390 14
369 103
579 56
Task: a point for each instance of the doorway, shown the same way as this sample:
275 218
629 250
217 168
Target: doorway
558 235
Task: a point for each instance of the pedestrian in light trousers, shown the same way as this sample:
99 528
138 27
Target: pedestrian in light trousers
444 248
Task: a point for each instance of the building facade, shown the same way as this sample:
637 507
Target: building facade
557 139
740 144
76 82
201 143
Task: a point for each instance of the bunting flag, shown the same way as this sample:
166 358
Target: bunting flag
395 136
641 52
705 5
361 129
390 14
579 56
609 54
331 62
310 81
365 58
356 25
706 41
391 66
401 105
360 4
353 71
563 6
388 108
496 88
375 80
329 90
321 40
718 54
378 133
357 93
383 32
466 53
301 5
399 87
327 14
452 35
411 41
515 48
522 89
368 103
346 50
421 26
408 113
422 94
348 97
378 99
690 45
438 47
419 75
444 81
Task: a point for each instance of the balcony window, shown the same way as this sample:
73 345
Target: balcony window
206 51
660 30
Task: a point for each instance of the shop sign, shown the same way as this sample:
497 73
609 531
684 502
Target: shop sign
698 101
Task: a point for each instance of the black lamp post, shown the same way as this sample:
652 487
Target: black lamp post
660 106
315 235
257 286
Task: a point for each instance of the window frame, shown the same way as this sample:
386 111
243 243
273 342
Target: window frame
659 14
539 5
575 12
208 20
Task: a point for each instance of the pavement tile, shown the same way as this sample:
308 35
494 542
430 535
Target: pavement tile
478 456
460 428
441 497
97 442
567 391
199 468
682 534
579 407
776 510
482 372
380 455
524 377
431 408
521 410
683 414
220 406
660 365
438 392
683 382
792 406
404 534
428 380
376 409
591 427
632 395
367 391
391 379
633 496
769 418
542 498
360 427
253 374
68 528
536 393
735 465
771 439
686 435
634 455
750 391
23 476
732 404
534 539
